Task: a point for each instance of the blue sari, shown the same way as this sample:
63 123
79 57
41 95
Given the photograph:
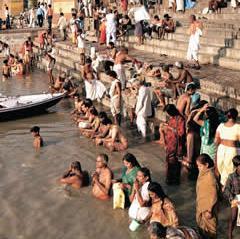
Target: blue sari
189 4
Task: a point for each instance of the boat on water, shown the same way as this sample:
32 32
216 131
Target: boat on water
14 107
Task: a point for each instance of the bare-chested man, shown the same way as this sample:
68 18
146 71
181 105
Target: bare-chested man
102 178
116 97
74 176
184 77
38 141
115 141
166 87
184 101
118 67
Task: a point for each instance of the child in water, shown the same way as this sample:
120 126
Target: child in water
38 141
5 70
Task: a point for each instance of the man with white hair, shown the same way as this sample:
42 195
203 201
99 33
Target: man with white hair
102 178
143 107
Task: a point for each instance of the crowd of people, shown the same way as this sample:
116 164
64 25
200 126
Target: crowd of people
196 136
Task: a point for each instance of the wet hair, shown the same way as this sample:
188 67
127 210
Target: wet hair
157 229
5 61
61 14
165 68
236 160
146 173
80 31
130 158
171 110
88 60
232 114
112 74
106 121
191 86
111 44
212 116
205 159
156 17
193 17
87 103
104 157
49 5
157 188
35 129
76 165
93 111
102 114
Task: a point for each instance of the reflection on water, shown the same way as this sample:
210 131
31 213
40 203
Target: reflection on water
34 205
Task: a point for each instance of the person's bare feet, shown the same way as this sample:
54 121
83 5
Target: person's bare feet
161 142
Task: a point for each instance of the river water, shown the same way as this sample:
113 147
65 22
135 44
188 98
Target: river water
34 206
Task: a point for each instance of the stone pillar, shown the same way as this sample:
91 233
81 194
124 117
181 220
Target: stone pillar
15 6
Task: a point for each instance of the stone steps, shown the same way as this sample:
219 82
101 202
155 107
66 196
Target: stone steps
203 40
230 63
173 44
233 53
172 52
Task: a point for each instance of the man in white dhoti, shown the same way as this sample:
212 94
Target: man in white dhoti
194 41
118 67
143 107
115 97
94 88
111 27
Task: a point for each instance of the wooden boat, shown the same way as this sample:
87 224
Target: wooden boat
23 106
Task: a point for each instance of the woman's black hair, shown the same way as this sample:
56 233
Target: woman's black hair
146 173
200 104
157 229
157 188
236 160
212 116
171 110
93 111
232 114
77 165
106 121
87 103
131 159
205 159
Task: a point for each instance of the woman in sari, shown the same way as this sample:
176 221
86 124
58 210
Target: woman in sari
102 29
207 118
129 173
206 201
162 209
173 134
227 138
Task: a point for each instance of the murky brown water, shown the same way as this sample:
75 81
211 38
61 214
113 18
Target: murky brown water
34 206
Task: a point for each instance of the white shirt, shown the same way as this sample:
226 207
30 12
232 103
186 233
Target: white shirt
136 211
110 23
62 23
143 106
80 41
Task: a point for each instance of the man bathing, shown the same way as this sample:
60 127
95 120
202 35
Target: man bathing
38 141
102 178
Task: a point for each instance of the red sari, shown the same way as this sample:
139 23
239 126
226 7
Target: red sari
103 36
124 4
175 139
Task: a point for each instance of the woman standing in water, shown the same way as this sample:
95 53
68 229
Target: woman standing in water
129 173
207 118
206 201
227 138
173 136
162 210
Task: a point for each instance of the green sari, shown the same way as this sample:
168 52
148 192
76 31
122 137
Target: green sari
129 179
207 146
